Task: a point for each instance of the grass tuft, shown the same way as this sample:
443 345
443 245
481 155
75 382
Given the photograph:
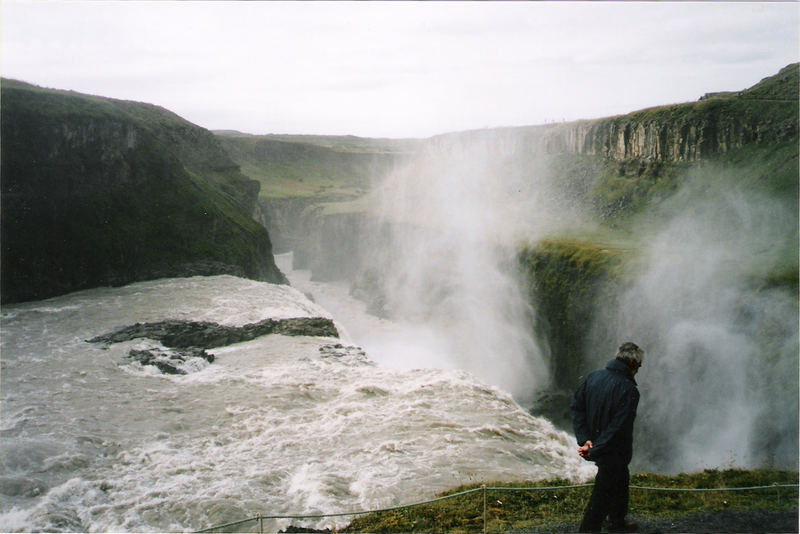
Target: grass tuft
516 507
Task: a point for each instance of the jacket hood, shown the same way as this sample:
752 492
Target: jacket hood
616 366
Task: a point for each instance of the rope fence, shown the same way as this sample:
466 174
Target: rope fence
259 519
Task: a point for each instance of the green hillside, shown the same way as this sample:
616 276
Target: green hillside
319 167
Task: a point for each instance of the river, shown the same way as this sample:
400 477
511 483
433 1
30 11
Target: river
93 441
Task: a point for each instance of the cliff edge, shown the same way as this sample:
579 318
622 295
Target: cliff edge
97 191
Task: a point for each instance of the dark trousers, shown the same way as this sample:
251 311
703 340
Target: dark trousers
609 496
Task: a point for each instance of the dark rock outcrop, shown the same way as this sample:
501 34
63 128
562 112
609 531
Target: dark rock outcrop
169 361
186 340
186 334
348 354
97 191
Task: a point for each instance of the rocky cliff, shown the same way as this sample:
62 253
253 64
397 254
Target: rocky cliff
716 123
641 172
97 191
613 167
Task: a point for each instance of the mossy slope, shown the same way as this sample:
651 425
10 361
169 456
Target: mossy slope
325 168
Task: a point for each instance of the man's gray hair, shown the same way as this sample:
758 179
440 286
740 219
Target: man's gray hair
630 351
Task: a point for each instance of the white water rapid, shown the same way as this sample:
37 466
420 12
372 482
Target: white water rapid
92 441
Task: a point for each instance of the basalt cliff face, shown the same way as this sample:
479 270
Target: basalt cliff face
97 191
715 124
673 134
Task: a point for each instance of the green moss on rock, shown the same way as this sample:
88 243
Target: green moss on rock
567 280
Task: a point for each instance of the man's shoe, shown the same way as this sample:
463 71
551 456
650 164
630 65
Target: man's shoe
627 526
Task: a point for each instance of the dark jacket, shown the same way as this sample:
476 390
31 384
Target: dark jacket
603 410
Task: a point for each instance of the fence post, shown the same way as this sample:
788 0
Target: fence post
260 524
484 507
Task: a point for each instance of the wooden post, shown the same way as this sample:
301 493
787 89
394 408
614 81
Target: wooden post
484 507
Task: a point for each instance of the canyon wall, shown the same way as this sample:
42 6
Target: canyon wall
97 191
613 166
687 132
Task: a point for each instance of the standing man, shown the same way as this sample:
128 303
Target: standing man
603 410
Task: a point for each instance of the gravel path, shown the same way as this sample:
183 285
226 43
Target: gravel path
727 521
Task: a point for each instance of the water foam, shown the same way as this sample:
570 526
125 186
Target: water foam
275 425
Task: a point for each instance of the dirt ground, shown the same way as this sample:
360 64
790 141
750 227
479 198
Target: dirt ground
754 521
728 521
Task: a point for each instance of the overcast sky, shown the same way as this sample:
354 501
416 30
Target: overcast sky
395 69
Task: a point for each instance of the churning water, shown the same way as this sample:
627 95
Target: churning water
92 441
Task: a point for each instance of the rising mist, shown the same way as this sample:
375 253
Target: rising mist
442 258
719 386
720 382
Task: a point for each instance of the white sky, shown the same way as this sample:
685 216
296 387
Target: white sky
395 69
